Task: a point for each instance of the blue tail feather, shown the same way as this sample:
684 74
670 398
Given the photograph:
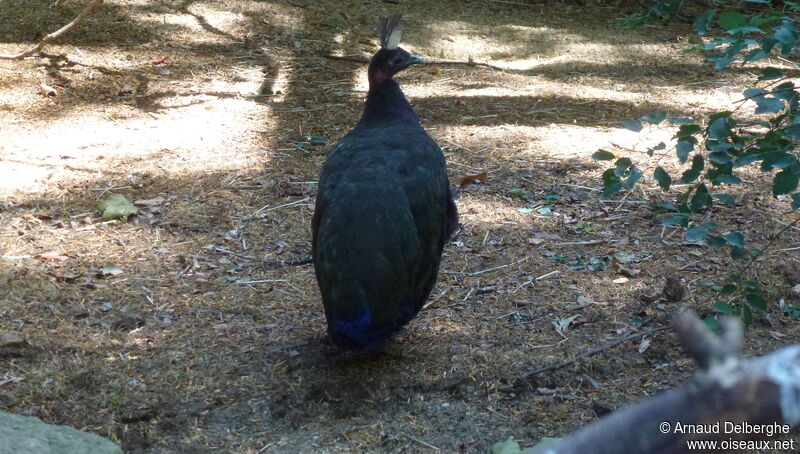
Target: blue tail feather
361 331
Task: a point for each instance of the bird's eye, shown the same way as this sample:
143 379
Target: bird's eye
396 62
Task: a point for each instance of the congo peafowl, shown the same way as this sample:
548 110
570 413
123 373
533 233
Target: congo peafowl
383 213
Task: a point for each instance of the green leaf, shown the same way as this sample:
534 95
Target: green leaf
786 35
756 301
665 206
621 166
727 199
716 242
612 188
720 128
675 219
633 125
697 166
723 308
116 206
735 239
719 146
755 55
785 91
792 131
768 105
722 114
770 74
603 155
785 181
681 121
777 159
687 130
722 61
751 286
701 199
732 19
696 233
729 289
652 150
738 253
689 175
712 324
744 30
754 92
663 178
702 21
728 178
768 43
654 118
747 315
796 200
611 183
633 178
683 148
746 159
719 157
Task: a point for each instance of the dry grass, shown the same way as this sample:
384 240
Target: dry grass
198 346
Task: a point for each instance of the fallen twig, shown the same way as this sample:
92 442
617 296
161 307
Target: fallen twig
267 208
88 10
264 261
583 243
524 378
423 443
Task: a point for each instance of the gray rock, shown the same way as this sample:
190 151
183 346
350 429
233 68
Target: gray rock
26 434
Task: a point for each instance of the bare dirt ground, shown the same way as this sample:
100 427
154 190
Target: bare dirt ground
215 115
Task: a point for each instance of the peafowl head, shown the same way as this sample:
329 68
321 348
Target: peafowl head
390 59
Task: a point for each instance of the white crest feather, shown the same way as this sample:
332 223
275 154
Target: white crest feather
390 32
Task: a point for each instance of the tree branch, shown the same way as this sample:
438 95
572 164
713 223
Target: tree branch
88 10
726 392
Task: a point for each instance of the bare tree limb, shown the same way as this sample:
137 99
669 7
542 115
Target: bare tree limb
705 347
726 397
88 10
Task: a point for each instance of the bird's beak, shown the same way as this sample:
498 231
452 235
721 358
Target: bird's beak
415 60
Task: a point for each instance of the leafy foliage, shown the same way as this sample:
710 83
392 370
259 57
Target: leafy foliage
660 12
714 149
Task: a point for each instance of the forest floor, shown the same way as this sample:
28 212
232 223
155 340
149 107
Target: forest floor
183 330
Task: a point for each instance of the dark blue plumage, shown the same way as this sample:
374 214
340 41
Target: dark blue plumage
384 211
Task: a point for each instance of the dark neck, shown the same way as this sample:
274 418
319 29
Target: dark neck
387 103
